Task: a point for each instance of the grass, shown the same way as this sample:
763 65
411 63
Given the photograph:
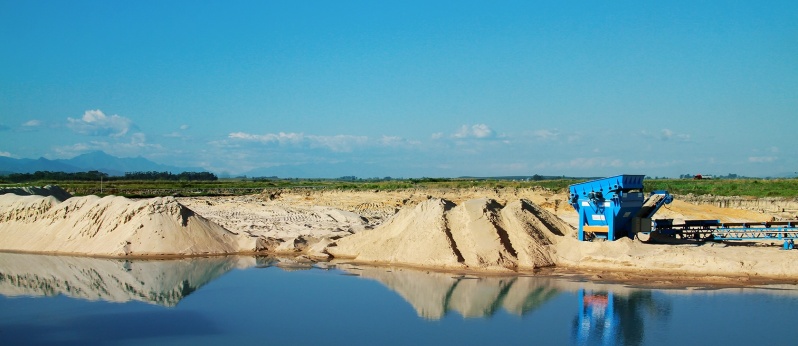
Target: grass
737 187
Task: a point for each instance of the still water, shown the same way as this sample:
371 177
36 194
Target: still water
249 300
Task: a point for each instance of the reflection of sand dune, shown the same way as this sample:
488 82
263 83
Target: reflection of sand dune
432 294
163 282
527 294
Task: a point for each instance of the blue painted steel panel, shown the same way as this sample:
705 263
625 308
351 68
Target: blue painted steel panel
610 202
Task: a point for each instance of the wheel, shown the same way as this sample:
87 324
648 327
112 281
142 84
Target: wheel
643 237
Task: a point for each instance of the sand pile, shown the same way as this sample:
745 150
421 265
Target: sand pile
280 228
780 208
111 226
690 260
47 190
478 234
681 210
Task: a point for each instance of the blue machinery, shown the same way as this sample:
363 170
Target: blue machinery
615 207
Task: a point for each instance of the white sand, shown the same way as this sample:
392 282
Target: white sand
47 190
505 230
433 233
479 234
111 226
280 227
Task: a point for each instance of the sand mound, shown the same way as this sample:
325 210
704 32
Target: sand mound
279 228
693 260
478 234
47 190
111 226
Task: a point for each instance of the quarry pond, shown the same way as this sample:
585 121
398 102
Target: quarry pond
263 300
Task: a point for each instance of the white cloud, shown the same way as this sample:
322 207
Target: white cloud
650 164
762 159
667 134
96 123
68 151
181 134
391 140
396 141
5 154
282 138
135 145
474 131
463 133
481 131
582 163
32 123
546 135
337 143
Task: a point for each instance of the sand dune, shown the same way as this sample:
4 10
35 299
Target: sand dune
478 234
47 190
509 233
280 227
111 226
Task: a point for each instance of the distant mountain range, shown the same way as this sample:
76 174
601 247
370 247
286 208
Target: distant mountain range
117 166
93 161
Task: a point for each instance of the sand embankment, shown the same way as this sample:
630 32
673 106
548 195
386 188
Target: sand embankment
47 190
494 230
744 261
483 235
111 226
479 234
281 227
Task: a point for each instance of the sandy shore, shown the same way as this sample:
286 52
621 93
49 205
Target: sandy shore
622 260
475 230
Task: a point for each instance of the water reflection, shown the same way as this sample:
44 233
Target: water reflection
555 310
162 282
433 295
610 318
607 314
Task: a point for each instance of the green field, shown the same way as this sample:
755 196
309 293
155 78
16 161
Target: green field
721 187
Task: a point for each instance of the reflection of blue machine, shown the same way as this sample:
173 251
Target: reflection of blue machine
615 207
597 321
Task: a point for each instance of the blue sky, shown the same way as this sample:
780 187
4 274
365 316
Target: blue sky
406 88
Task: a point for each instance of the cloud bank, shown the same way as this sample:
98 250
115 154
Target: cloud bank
96 123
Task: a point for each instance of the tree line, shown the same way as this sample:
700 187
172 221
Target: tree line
97 175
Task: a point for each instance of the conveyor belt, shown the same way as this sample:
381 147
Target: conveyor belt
650 206
714 229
